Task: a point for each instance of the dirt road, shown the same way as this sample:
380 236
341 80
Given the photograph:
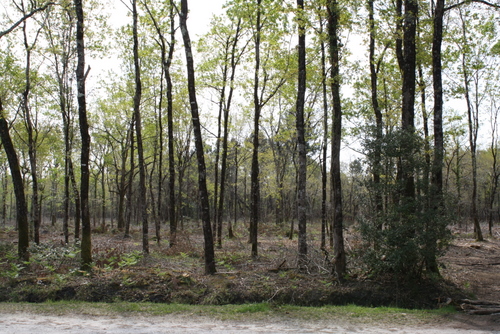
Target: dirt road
34 323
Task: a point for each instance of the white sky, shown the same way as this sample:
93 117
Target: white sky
200 13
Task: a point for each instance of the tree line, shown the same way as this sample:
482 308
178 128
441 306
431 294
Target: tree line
247 124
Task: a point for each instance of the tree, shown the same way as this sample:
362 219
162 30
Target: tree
86 245
324 147
472 71
301 141
334 53
166 60
202 182
495 171
235 59
31 129
138 128
219 73
60 31
265 19
255 182
437 165
22 210
374 70
25 17
408 69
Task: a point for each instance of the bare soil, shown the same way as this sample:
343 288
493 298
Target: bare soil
22 324
474 266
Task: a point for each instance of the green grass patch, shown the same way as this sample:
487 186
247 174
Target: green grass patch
244 312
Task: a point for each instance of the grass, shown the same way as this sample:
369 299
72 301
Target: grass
244 312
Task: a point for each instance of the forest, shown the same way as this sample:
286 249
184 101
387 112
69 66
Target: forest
357 135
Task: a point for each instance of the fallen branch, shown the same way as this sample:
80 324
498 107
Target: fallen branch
488 311
478 302
479 307
281 268
479 264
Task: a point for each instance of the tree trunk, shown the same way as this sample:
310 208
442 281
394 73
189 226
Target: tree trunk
406 172
427 147
76 195
473 123
495 176
171 159
31 133
86 245
122 185
67 152
103 196
334 50
17 180
377 168
301 141
142 202
227 107
202 182
437 164
254 174
130 179
324 148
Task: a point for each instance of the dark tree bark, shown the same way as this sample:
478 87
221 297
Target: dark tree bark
17 180
377 168
142 202
495 178
437 164
254 174
202 177
76 196
170 122
301 141
425 120
31 134
63 105
130 179
86 245
122 184
408 68
324 148
399 33
334 51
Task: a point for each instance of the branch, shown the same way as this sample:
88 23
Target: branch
25 17
86 73
469 1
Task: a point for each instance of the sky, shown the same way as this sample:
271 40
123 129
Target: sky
200 14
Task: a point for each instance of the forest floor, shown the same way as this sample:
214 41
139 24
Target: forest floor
176 274
473 266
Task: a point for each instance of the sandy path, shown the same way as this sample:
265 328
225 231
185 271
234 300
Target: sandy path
40 324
